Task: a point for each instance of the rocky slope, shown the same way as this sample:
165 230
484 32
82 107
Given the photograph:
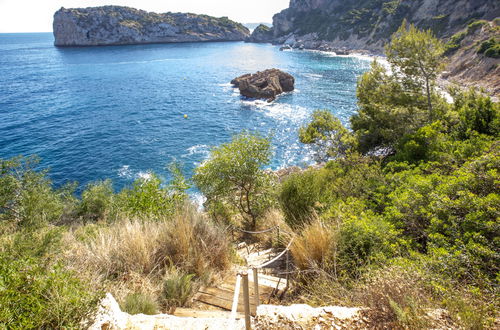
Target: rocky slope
114 25
467 65
368 24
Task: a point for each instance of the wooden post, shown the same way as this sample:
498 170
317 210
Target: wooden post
278 241
256 288
246 300
287 270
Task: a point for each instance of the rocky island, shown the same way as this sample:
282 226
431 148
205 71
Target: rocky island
116 25
264 85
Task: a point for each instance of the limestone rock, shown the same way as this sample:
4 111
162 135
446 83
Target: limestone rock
110 317
116 25
264 85
306 317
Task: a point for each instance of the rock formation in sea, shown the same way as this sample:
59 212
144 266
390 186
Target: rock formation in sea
262 33
115 25
264 85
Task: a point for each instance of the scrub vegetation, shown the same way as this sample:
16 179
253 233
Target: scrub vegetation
402 217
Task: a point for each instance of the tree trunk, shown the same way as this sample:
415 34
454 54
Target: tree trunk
429 102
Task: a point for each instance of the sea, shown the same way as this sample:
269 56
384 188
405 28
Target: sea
124 112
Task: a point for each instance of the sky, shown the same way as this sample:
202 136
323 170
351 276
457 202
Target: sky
37 15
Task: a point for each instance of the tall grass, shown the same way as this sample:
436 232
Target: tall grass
315 246
131 255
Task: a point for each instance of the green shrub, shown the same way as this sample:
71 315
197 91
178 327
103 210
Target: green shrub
234 177
299 196
455 42
147 197
474 26
139 303
177 288
490 48
27 197
43 297
96 201
305 194
365 239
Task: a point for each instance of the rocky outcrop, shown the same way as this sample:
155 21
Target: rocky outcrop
264 85
469 67
115 25
367 24
262 33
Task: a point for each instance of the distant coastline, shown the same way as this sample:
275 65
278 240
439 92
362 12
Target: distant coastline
116 25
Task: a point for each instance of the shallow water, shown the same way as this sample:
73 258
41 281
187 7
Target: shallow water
118 112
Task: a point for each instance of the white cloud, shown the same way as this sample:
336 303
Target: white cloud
36 15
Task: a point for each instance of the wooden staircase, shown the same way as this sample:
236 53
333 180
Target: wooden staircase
222 296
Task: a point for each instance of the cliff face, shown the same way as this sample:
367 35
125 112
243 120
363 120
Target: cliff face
467 65
114 25
368 24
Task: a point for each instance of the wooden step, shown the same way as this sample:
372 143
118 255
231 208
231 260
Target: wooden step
222 300
188 312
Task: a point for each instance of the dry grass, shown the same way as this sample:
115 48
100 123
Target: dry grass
135 255
273 218
397 296
315 246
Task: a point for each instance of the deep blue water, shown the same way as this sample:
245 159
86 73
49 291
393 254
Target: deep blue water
118 112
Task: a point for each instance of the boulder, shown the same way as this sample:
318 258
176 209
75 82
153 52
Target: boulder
265 85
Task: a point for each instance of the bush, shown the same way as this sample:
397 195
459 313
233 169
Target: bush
139 303
177 288
96 201
365 240
147 198
305 194
299 195
27 198
490 48
36 296
233 177
328 137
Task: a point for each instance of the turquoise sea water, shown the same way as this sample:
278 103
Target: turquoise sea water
118 112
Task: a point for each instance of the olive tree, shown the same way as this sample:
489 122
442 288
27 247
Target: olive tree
234 176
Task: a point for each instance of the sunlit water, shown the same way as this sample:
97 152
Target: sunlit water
118 112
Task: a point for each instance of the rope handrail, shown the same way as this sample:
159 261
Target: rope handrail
275 258
256 232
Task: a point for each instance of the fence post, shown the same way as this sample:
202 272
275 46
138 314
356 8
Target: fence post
246 300
287 270
256 288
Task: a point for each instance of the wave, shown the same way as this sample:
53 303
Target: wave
126 172
146 176
198 149
313 75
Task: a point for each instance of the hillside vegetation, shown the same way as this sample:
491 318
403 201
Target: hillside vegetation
403 218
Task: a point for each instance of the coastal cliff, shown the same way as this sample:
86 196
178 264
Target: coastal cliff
115 25
368 24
